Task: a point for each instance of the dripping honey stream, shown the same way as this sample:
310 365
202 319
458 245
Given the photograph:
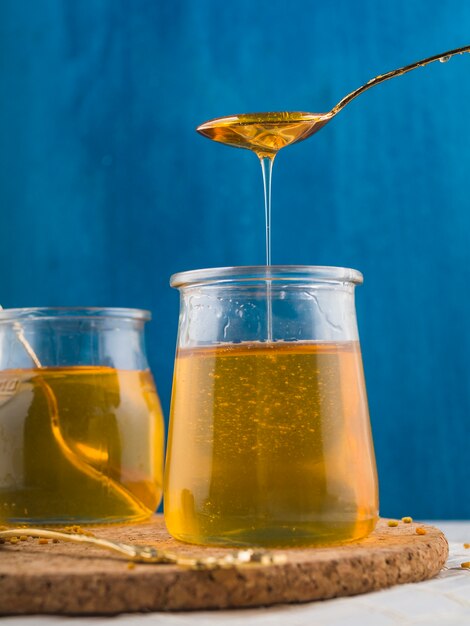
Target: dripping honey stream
267 133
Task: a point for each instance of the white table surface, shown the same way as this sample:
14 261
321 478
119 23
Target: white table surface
443 601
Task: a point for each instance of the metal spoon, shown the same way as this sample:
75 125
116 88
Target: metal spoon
150 554
266 133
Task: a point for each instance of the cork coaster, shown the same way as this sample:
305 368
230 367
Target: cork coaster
65 578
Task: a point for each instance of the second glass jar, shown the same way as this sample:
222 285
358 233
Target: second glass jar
81 428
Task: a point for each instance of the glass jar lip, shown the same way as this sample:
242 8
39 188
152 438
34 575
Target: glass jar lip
73 312
263 273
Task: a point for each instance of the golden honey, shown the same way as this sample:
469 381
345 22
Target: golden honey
269 444
264 133
79 444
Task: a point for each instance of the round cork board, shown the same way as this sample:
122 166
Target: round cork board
65 578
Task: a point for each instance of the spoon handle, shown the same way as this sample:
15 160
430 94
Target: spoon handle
444 56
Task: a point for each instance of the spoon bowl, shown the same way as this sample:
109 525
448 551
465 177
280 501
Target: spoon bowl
264 133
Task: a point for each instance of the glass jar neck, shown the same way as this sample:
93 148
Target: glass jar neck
302 274
288 303
35 338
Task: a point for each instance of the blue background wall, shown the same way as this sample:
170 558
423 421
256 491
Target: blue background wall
105 188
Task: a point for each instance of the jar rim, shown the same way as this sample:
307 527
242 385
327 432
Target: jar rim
73 312
254 273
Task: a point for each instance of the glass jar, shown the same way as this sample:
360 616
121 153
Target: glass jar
269 440
81 428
